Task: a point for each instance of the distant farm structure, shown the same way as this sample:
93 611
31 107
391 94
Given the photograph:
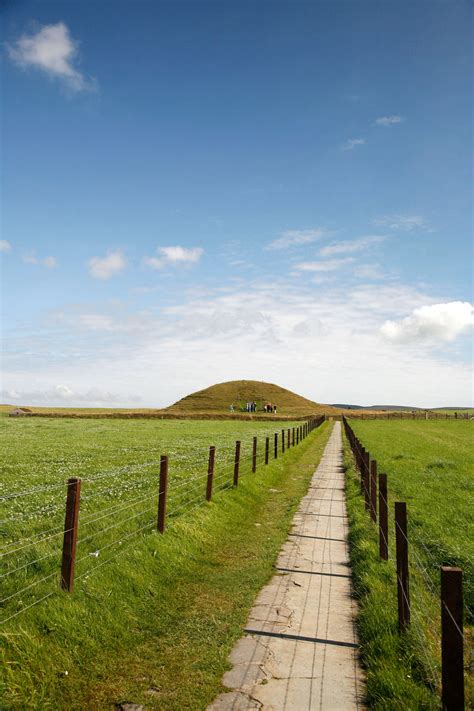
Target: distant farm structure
20 412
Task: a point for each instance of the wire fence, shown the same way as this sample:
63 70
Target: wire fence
113 516
429 594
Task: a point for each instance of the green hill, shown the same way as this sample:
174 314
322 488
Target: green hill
218 399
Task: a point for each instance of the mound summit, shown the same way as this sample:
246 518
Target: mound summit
218 398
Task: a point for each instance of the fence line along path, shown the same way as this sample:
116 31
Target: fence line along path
300 650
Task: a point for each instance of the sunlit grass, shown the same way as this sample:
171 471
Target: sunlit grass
162 616
429 465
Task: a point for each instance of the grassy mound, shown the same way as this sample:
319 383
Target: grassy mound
218 398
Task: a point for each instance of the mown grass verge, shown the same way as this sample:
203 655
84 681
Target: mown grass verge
156 625
394 663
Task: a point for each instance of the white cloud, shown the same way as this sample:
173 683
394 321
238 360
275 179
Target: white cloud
438 322
295 238
351 143
327 265
105 267
63 395
53 51
49 262
405 223
174 256
388 121
276 330
350 246
5 245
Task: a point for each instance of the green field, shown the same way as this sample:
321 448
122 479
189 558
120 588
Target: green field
429 465
127 628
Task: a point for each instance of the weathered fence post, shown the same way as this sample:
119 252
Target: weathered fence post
288 444
297 435
162 493
283 441
373 490
383 517
293 437
70 534
236 462
267 449
210 472
367 480
275 445
401 539
254 455
452 662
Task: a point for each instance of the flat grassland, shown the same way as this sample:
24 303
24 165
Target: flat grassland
429 465
156 624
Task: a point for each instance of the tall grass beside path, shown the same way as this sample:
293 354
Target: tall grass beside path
156 626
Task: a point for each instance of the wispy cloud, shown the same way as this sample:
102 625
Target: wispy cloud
53 51
350 246
327 265
438 322
62 394
388 121
405 223
105 267
295 238
372 272
302 324
351 143
179 256
49 262
5 245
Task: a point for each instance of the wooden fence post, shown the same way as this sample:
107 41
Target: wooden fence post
267 449
70 534
297 435
367 480
254 455
373 490
293 437
275 445
236 462
288 444
452 662
383 517
283 441
401 539
210 472
162 494
361 468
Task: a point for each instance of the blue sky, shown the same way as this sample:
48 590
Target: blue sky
197 192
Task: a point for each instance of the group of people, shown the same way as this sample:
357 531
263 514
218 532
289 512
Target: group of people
252 407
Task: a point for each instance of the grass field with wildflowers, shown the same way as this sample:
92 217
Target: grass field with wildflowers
152 617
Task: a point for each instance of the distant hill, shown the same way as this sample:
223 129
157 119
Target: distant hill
400 408
218 399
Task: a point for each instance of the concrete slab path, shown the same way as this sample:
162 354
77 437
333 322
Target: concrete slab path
300 651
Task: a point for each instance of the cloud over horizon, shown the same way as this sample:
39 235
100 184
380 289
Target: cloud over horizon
438 322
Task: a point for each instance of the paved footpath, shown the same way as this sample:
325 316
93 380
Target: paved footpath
300 650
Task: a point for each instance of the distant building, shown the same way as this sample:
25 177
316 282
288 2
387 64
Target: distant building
20 411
